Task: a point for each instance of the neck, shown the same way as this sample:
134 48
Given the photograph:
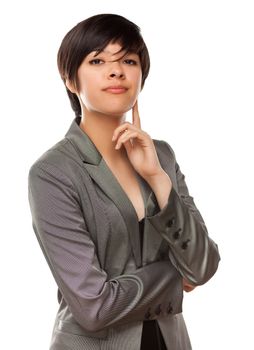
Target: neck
100 127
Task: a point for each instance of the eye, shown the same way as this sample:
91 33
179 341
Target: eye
131 62
95 61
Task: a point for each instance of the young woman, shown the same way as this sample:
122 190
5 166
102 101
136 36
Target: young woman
110 206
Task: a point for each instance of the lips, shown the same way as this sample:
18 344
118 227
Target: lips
116 89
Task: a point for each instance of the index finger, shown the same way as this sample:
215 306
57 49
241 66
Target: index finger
135 115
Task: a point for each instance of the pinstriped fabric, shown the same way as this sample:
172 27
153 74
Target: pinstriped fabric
71 255
151 334
88 231
66 341
123 337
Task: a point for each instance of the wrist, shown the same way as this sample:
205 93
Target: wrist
161 185
160 177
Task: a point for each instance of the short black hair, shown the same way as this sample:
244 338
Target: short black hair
94 34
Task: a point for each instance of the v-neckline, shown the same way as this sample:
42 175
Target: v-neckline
139 182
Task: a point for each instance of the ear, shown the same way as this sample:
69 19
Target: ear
71 86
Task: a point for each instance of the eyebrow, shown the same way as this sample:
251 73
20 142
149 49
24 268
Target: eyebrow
96 53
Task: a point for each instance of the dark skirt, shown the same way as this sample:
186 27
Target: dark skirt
152 338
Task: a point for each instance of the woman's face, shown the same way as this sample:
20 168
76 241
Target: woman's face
96 75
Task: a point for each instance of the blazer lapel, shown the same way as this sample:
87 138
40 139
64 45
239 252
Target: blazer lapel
103 176
97 168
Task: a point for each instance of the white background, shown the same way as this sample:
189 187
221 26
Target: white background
198 97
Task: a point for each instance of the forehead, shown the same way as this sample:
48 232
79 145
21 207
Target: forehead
112 49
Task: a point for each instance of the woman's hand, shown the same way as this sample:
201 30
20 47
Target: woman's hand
187 287
139 146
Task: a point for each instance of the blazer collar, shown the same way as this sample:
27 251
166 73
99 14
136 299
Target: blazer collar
82 143
97 168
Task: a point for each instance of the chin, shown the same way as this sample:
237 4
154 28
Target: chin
111 107
116 110
115 113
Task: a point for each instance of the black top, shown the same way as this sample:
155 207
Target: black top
151 334
141 231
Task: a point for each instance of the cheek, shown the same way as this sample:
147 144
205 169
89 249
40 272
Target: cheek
87 88
137 77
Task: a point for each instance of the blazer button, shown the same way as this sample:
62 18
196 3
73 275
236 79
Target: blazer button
171 222
176 234
169 308
185 244
148 314
158 309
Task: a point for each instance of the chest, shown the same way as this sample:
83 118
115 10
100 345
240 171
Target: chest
127 178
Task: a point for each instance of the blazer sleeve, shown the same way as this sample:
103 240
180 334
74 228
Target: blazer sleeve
95 301
192 251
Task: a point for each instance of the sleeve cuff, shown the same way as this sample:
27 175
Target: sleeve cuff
168 219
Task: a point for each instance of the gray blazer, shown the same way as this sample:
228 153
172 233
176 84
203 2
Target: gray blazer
88 231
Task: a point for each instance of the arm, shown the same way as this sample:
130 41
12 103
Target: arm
95 301
161 186
192 251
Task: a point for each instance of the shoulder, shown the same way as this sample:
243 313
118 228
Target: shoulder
163 148
61 159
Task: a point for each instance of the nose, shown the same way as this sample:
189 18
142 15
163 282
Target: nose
120 75
116 71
